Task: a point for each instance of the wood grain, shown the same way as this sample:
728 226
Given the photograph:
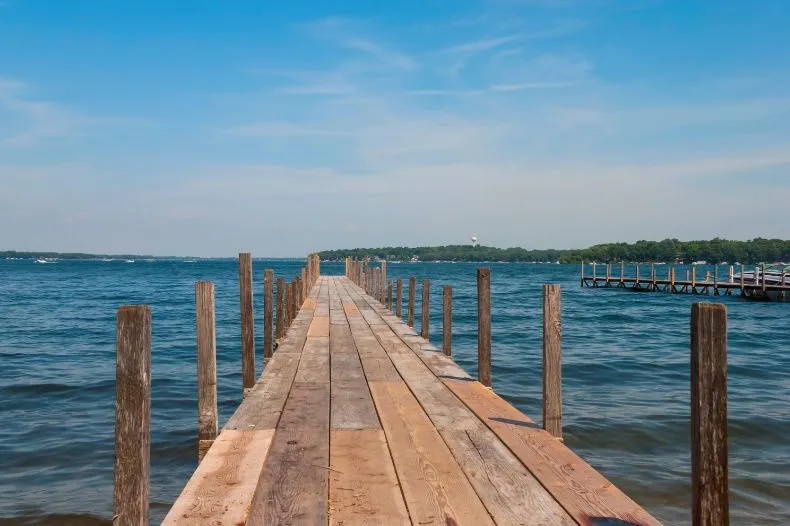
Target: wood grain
247 323
434 486
709 471
221 489
447 321
399 298
426 308
552 360
280 308
206 366
583 492
484 326
268 314
363 487
132 415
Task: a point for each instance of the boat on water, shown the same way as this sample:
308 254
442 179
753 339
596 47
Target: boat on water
774 277
46 260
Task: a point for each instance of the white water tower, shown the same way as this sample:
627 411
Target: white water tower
474 241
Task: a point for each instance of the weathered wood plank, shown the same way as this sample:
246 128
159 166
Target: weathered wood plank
552 360
581 490
319 326
363 487
314 363
221 489
435 489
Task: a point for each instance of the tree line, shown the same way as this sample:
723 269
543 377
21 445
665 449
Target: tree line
669 250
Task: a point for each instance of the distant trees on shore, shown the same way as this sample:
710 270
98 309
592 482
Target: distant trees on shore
669 250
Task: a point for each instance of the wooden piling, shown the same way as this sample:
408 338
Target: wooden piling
206 366
280 307
636 277
247 323
426 308
305 288
710 494
652 276
447 321
484 325
581 273
716 279
132 415
693 279
622 273
268 314
552 360
399 298
742 281
383 277
389 295
762 277
412 294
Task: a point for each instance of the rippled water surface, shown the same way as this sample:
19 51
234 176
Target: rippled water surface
625 379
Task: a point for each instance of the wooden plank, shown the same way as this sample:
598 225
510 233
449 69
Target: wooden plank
363 487
352 406
221 489
509 491
263 406
435 489
709 473
341 340
293 487
314 363
319 327
581 490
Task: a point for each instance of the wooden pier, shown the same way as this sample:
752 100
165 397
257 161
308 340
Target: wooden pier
357 419
698 279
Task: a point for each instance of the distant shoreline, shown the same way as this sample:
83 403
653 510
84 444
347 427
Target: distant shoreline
714 251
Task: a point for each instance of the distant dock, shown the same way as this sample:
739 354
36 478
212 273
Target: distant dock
359 420
757 284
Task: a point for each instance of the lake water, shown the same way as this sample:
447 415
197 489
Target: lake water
625 379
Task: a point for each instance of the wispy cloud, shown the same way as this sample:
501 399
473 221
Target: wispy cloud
277 129
37 120
485 44
387 57
530 85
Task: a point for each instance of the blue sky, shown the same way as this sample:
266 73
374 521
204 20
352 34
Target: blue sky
208 128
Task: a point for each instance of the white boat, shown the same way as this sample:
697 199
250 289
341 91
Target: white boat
774 276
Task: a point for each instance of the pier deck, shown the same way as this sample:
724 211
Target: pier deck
357 420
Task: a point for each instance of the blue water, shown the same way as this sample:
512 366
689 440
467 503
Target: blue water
625 379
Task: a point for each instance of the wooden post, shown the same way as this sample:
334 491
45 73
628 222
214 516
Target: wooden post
288 305
399 298
672 278
247 323
412 294
484 325
608 273
383 278
268 314
594 282
552 360
206 366
426 308
280 307
716 279
732 274
132 415
653 276
762 276
582 274
389 295
693 279
305 286
742 281
622 273
709 479
636 278
447 321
